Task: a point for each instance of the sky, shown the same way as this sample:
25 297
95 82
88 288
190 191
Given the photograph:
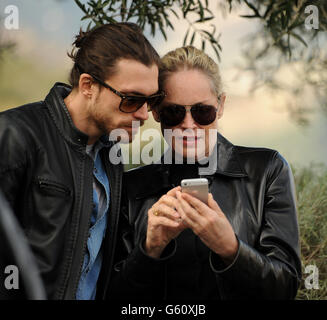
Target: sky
46 31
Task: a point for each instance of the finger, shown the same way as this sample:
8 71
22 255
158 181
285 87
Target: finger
189 213
182 215
197 204
172 192
168 200
186 222
163 221
162 209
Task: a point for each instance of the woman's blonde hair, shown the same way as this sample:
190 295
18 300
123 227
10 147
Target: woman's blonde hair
189 58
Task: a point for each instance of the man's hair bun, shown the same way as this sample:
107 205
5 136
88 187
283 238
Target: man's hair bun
80 38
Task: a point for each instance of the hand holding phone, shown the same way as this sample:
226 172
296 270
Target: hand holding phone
197 188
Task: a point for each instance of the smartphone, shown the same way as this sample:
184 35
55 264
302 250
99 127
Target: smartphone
197 188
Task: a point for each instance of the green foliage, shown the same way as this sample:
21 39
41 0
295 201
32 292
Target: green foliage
157 15
284 21
311 185
281 39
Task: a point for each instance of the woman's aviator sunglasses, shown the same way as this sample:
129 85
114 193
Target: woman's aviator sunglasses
173 114
130 103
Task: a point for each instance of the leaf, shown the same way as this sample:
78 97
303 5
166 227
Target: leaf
284 20
185 37
187 9
248 16
192 39
89 26
204 19
81 6
269 9
216 51
161 28
253 8
169 24
174 12
210 35
203 46
296 36
163 32
201 11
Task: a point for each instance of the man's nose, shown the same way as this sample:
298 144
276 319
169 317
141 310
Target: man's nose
142 113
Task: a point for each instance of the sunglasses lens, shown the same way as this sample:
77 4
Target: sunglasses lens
204 114
172 115
153 102
132 104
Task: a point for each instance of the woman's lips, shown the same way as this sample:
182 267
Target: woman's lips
190 140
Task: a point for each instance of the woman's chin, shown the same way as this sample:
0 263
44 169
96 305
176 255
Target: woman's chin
190 155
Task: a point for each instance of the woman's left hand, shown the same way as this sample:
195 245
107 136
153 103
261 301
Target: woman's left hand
210 224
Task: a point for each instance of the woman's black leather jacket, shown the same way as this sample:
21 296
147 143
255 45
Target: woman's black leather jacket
254 188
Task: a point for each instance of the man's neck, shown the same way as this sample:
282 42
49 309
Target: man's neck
78 110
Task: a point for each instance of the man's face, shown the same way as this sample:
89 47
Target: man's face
131 78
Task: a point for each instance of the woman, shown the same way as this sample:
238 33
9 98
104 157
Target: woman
244 243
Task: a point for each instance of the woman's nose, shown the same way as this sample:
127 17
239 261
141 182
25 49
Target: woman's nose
188 121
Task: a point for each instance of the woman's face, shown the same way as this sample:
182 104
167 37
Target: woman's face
189 88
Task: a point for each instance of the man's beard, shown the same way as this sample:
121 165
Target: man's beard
119 134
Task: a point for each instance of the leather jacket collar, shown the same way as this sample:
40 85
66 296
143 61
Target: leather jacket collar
62 119
144 181
228 163
225 159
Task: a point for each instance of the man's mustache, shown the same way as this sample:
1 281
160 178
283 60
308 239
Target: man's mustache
135 123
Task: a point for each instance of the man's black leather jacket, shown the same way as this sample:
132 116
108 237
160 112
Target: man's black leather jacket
46 176
254 188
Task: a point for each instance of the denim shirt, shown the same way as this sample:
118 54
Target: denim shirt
93 257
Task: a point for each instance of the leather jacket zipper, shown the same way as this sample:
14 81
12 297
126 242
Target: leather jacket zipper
50 185
85 238
116 190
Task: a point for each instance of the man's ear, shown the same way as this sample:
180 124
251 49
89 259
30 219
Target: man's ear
221 105
155 114
85 85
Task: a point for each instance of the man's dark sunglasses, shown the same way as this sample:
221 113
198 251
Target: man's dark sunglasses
173 114
130 103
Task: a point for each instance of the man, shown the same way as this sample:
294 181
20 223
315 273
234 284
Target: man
55 169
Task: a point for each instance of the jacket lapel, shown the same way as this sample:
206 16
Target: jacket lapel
143 182
228 163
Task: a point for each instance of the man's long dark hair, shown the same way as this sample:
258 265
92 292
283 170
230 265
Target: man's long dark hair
98 51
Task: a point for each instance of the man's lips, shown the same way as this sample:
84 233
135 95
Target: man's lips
133 129
134 126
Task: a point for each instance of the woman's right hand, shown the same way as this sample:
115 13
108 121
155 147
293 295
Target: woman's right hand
164 223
